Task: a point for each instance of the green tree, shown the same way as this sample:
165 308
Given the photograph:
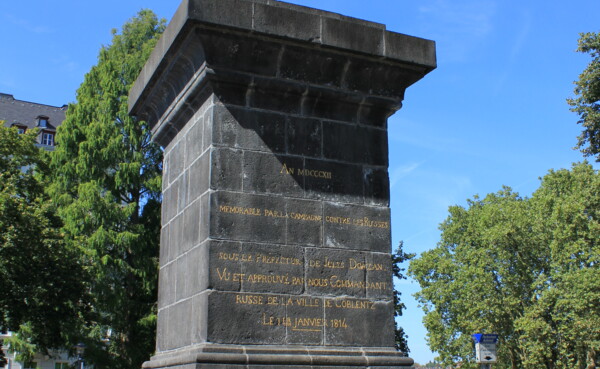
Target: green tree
398 258
525 268
40 279
562 327
587 102
107 184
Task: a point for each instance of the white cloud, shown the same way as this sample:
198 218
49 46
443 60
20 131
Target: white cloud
458 25
26 25
402 171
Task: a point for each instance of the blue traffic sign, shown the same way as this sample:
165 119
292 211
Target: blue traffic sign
485 338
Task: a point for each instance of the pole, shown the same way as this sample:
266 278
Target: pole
485 366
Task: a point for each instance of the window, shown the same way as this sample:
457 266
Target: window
62 365
42 121
48 138
30 365
20 128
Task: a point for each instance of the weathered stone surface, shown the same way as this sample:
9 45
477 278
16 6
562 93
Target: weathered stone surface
275 246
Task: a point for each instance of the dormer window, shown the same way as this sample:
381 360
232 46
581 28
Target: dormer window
20 128
42 121
48 138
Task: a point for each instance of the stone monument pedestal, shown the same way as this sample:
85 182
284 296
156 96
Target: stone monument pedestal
275 246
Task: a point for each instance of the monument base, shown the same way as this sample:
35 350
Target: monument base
249 356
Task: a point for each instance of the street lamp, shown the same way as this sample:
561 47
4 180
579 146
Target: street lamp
80 349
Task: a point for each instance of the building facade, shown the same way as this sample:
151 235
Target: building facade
25 115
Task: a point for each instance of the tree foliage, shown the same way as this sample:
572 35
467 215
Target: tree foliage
398 258
587 102
107 182
40 279
525 268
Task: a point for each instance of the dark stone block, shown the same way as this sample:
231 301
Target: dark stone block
343 182
249 129
176 161
379 80
180 329
176 235
199 321
182 200
205 216
166 285
357 227
377 186
226 169
277 95
242 217
279 20
199 174
169 205
165 246
355 144
379 273
191 226
194 142
272 269
312 67
182 278
207 136
318 103
231 90
244 318
161 320
376 115
265 173
369 327
198 265
354 36
240 53
304 222
225 259
304 137
238 13
410 48
307 321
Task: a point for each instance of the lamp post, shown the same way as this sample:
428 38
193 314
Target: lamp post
80 349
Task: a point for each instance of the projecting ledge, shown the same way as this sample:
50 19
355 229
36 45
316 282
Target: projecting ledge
249 356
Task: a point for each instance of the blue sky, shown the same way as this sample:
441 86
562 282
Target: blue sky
493 113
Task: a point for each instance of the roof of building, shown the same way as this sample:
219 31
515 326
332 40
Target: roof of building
25 113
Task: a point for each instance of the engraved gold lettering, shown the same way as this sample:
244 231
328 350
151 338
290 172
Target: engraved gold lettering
336 282
268 278
267 259
239 210
355 304
366 222
318 282
305 172
306 217
223 274
354 264
307 302
331 264
274 213
337 220
249 299
286 170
